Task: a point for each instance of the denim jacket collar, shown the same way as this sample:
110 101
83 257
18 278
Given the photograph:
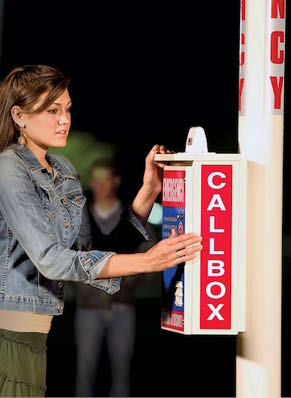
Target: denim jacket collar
34 165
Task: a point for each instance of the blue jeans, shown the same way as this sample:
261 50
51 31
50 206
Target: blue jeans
117 327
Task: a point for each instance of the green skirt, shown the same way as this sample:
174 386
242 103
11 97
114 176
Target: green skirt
22 364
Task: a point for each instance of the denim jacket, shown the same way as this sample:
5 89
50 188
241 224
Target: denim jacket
46 235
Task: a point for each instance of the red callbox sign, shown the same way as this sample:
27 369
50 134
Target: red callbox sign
216 259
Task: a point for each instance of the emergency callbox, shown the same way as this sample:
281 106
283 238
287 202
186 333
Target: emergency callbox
205 193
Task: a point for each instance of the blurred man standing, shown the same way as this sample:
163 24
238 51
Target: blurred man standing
101 317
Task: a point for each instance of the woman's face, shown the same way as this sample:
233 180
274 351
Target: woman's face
49 128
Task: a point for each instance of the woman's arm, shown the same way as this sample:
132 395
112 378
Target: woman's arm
125 236
165 254
21 208
152 185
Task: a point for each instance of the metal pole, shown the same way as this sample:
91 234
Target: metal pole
261 104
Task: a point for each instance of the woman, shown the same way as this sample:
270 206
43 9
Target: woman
45 237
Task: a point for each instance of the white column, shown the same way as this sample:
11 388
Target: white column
261 141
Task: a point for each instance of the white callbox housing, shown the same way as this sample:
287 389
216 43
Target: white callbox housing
205 193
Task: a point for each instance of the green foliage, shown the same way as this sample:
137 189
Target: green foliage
82 149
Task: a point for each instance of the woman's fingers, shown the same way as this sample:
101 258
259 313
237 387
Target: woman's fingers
151 155
161 149
184 259
161 165
150 159
190 242
187 239
188 251
186 248
173 233
155 149
174 250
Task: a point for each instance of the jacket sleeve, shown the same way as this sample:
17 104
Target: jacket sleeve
21 208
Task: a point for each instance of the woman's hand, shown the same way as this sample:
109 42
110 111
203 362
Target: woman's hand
172 251
153 175
165 254
152 184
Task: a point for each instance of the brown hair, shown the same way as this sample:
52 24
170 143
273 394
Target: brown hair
103 163
23 87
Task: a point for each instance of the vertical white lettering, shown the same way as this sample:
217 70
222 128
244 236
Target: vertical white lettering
215 296
212 226
216 201
212 249
210 180
215 312
216 268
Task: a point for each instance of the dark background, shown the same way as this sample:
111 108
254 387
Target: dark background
143 72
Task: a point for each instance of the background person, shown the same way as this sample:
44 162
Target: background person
101 317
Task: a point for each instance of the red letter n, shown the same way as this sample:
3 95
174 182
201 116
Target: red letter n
278 5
